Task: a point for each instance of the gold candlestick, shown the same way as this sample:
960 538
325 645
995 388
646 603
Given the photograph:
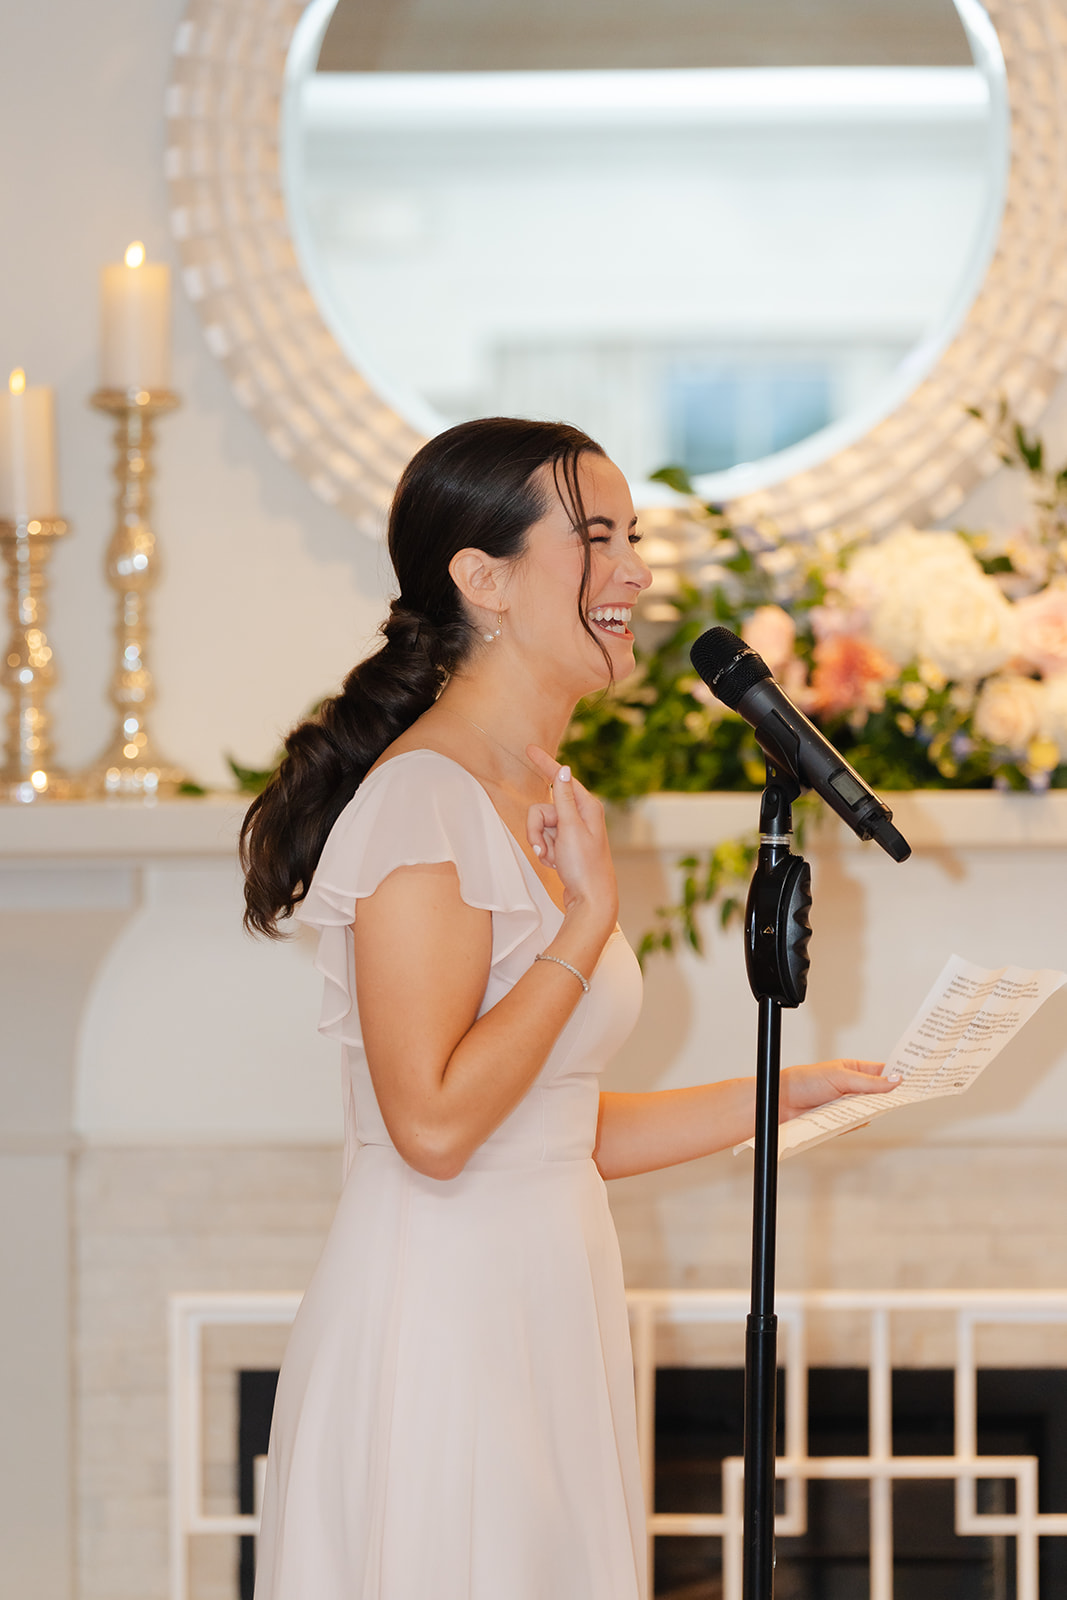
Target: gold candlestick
131 766
28 670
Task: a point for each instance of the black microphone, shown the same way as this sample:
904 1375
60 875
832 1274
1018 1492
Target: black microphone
742 680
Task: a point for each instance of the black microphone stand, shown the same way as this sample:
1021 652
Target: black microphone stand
777 932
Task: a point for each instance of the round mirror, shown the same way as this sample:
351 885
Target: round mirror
322 412
730 238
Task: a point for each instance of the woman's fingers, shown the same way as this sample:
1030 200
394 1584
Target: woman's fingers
861 1077
804 1088
864 1082
576 843
546 765
587 806
563 781
541 824
563 795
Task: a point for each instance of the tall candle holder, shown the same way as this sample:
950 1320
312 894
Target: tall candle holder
131 766
28 671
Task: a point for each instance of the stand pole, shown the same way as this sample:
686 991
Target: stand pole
761 1342
776 954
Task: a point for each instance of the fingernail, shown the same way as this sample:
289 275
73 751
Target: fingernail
895 1077
537 849
564 774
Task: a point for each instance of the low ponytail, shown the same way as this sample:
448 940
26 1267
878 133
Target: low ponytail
470 487
326 759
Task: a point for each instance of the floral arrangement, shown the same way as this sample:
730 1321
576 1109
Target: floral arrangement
930 659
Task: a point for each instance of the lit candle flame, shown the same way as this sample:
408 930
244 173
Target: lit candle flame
135 254
17 381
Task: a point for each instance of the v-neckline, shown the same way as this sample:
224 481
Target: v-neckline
520 853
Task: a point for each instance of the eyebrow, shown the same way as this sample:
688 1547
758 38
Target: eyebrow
605 522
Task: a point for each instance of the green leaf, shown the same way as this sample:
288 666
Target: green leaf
675 478
729 909
250 780
1030 448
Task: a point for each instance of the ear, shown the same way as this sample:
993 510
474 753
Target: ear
479 579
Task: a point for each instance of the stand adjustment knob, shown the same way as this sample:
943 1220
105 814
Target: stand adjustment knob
777 932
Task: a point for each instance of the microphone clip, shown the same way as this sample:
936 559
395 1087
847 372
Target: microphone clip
777 927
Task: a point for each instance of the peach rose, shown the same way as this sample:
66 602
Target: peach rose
772 633
849 674
1042 620
1054 712
827 621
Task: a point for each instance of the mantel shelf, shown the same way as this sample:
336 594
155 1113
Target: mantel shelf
929 819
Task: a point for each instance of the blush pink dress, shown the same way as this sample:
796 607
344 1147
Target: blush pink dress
455 1413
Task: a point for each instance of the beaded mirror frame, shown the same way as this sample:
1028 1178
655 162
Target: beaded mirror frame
240 267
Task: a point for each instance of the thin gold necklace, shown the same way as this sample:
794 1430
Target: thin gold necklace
492 740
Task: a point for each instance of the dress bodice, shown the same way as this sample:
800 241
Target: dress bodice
424 807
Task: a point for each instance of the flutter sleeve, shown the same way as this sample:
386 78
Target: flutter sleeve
418 807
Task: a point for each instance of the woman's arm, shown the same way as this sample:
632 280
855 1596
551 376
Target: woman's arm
444 1077
643 1132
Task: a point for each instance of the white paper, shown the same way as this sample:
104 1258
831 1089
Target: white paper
964 1022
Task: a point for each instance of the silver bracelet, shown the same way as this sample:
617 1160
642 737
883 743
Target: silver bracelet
561 963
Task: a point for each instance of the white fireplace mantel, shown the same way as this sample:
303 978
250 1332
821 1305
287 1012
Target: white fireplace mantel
124 923
207 827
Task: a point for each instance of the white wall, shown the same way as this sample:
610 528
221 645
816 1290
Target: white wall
267 596
195 1032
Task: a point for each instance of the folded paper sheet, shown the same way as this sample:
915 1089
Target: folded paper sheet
966 1019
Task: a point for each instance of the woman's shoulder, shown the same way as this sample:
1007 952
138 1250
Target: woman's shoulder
400 760
418 807
411 784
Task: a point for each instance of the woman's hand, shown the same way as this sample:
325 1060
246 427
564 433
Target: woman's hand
803 1088
570 835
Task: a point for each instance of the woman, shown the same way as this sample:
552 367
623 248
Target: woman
455 1415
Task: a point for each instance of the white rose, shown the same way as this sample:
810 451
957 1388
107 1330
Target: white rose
1010 712
891 582
967 628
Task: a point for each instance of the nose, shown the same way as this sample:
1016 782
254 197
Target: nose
634 570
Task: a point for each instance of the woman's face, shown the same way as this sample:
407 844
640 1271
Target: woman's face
541 617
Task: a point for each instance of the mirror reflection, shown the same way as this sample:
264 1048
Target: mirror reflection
730 238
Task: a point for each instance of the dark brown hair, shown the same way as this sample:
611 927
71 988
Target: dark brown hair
473 486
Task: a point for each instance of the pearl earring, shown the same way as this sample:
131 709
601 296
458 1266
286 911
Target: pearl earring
489 637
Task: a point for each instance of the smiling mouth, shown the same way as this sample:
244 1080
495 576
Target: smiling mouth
611 619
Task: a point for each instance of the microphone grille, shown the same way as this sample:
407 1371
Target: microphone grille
727 665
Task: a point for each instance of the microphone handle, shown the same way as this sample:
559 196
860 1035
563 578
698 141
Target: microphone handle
778 725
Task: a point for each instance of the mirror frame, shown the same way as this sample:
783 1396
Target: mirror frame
240 267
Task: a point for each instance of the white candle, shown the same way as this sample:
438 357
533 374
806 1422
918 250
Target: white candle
27 451
135 323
